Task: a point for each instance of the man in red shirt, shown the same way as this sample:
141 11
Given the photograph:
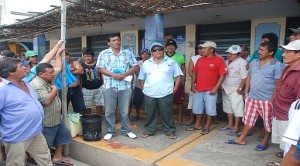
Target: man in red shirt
209 74
287 91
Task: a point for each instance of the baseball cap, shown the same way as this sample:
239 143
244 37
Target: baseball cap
4 47
171 42
295 30
208 44
234 49
145 50
24 62
294 45
155 44
8 53
30 54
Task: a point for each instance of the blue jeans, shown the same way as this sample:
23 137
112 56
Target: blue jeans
112 97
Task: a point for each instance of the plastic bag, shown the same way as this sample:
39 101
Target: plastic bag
74 124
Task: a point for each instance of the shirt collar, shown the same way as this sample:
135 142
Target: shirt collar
165 58
110 50
41 80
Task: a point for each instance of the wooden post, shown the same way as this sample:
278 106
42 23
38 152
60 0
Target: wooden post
64 86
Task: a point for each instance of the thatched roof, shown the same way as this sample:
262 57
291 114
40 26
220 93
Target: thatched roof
96 12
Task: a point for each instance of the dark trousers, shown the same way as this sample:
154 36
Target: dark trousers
75 96
164 106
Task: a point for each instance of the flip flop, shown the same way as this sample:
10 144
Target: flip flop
261 147
180 123
273 164
189 123
279 155
172 136
145 135
192 128
205 131
63 162
225 128
232 142
233 132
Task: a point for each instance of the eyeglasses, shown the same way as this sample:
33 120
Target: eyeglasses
157 49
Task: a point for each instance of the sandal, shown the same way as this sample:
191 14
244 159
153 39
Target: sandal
279 155
192 128
189 123
180 123
145 135
273 164
172 136
62 162
205 131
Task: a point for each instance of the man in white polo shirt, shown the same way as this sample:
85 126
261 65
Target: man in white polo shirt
156 79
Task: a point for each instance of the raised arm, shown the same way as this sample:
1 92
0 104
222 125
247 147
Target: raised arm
50 55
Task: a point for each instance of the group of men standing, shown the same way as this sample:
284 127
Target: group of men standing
162 80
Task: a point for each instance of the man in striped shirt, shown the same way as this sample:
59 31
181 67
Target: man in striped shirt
260 85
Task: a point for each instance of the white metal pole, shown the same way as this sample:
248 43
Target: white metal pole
64 87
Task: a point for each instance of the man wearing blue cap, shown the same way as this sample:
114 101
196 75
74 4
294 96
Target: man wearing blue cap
156 79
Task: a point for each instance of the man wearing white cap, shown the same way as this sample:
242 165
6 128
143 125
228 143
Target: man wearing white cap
156 79
286 92
209 74
233 86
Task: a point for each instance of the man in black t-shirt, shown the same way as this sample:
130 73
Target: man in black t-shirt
91 82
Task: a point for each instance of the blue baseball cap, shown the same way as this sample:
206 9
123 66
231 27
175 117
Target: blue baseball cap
145 50
24 62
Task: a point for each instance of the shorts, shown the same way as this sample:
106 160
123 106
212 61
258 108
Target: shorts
233 104
91 96
191 101
57 135
179 96
205 101
253 108
278 129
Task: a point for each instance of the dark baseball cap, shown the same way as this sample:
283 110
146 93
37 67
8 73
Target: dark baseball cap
295 30
8 53
171 42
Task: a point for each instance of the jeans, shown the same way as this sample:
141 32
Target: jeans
112 97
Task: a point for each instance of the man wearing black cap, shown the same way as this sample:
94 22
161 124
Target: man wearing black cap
179 96
295 34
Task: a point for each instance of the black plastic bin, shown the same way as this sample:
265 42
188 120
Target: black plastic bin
91 127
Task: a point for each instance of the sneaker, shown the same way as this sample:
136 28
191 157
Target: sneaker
131 135
107 137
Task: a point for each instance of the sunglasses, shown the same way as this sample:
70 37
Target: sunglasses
154 49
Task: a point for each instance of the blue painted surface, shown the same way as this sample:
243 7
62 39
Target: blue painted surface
262 28
39 46
154 29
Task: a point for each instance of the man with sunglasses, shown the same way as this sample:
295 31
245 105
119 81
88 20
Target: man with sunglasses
156 79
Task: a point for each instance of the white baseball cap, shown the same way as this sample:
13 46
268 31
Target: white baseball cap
294 45
234 49
208 44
